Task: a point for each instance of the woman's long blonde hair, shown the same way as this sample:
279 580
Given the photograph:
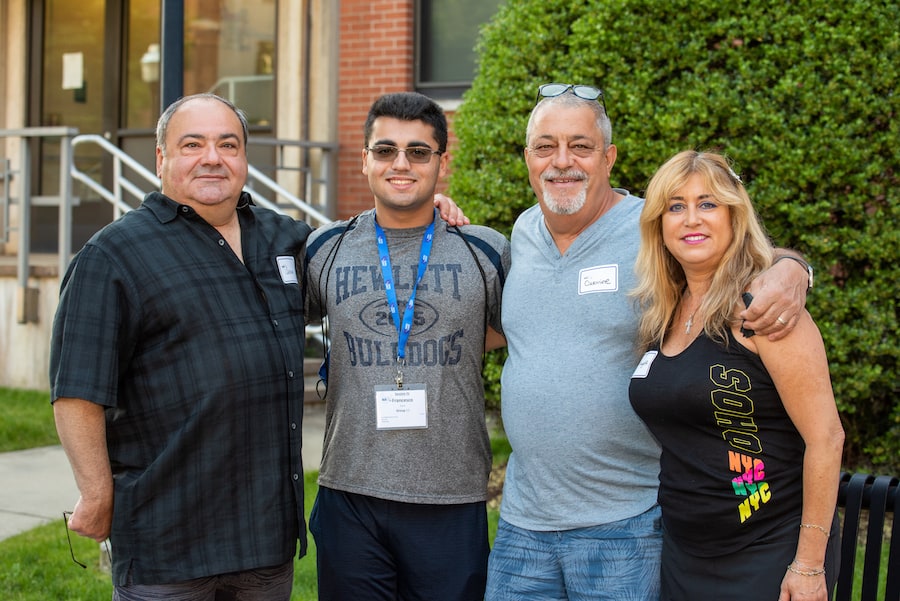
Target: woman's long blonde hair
661 280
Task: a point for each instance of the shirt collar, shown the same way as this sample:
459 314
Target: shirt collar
165 209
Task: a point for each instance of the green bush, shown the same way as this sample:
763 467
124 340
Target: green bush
801 95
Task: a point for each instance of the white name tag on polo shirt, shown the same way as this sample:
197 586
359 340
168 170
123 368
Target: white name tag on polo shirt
603 278
401 408
287 267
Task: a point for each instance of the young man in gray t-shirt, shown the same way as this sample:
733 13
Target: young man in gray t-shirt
409 301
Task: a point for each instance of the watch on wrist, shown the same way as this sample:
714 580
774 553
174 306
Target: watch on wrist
806 266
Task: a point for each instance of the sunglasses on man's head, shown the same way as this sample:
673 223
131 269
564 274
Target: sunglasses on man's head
550 90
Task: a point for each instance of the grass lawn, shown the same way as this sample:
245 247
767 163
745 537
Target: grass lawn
27 420
37 566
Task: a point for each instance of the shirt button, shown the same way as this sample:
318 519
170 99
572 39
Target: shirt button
185 209
296 477
221 242
291 375
275 322
293 425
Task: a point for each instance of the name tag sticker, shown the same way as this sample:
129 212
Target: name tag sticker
288 269
643 367
401 408
603 278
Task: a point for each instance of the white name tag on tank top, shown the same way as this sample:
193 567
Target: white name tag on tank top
643 367
401 408
603 278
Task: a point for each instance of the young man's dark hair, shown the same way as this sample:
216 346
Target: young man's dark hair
410 106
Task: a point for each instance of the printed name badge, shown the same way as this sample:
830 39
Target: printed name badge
287 267
603 278
401 408
643 367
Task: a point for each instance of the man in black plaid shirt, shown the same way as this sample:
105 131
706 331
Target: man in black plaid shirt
177 376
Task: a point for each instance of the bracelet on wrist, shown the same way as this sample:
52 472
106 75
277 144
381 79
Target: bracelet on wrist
816 527
800 572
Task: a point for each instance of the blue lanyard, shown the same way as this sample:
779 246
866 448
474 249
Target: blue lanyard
404 326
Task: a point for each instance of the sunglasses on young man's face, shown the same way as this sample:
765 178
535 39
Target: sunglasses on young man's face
414 154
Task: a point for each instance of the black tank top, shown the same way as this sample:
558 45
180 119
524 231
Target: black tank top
732 460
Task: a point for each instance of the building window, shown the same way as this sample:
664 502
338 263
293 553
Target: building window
446 33
229 49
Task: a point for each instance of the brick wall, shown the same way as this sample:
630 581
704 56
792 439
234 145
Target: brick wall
376 57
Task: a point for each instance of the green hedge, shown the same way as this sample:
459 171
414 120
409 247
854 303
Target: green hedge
802 95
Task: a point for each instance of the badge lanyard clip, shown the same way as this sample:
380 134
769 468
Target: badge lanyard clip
403 325
399 378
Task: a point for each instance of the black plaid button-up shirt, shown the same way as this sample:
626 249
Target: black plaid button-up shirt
198 360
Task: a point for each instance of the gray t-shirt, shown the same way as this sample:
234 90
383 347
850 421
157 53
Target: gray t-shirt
449 461
581 457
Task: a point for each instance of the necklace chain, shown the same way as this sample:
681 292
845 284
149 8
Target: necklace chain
690 320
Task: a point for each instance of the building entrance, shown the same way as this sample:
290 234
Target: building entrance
96 67
90 79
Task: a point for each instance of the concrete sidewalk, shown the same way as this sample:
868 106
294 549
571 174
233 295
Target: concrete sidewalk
36 485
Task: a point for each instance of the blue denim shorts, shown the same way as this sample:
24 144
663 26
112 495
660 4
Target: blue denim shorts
612 562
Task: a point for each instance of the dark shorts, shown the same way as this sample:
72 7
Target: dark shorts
264 584
374 549
750 574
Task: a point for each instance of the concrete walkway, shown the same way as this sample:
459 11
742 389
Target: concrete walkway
36 485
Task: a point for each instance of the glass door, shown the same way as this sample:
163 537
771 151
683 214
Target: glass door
229 49
100 73
139 100
96 75
72 90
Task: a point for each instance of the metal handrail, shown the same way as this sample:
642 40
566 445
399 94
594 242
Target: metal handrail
231 83
273 186
6 174
65 134
120 182
327 169
121 185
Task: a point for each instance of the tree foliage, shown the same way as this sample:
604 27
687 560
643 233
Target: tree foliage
802 95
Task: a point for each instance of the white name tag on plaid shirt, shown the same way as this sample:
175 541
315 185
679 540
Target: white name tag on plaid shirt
287 267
